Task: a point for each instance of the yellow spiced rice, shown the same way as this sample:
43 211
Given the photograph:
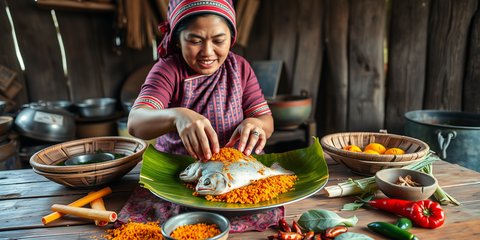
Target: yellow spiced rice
257 191
135 231
195 231
228 155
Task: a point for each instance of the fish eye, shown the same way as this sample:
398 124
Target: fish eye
188 168
207 181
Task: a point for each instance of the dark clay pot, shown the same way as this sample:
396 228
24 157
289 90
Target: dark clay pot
289 111
454 136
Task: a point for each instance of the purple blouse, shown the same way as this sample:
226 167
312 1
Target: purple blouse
225 98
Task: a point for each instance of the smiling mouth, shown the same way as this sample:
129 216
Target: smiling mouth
206 62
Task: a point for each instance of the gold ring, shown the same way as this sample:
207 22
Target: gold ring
255 133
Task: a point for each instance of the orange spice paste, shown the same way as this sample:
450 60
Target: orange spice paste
195 231
229 155
135 231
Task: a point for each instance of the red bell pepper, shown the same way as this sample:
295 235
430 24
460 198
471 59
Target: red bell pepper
427 214
424 213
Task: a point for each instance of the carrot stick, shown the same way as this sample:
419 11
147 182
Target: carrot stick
98 204
79 203
89 213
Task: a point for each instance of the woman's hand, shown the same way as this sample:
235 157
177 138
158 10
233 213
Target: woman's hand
251 135
197 134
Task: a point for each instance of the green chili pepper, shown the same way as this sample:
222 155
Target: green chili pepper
404 223
391 231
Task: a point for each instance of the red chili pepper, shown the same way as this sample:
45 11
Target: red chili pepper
274 236
335 231
309 235
296 228
425 213
398 206
289 236
284 225
318 237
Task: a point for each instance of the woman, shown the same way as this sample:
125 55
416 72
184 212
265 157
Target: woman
199 95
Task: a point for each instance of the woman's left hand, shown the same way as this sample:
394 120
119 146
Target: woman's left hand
251 135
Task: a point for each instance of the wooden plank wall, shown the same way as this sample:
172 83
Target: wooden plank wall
334 49
93 69
432 62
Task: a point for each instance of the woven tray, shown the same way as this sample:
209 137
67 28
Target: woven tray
47 160
414 148
91 178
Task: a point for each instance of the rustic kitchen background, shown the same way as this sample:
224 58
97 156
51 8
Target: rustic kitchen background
364 62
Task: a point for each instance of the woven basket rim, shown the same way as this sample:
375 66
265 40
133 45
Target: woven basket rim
367 168
402 163
88 167
101 172
380 157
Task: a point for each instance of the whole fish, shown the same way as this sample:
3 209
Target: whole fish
217 177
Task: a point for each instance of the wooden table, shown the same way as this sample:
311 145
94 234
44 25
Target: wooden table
25 197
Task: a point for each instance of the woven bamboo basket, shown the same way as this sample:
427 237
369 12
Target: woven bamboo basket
45 162
414 148
48 159
91 178
369 168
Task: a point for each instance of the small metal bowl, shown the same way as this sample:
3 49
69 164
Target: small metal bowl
89 159
194 218
96 107
62 104
386 181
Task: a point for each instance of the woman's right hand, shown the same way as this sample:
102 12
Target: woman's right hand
197 134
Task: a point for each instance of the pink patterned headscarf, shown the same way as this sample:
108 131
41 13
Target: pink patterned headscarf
180 9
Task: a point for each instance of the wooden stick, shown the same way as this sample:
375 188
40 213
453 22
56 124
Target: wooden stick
79 203
89 213
98 204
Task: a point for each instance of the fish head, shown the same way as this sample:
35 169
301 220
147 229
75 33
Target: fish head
214 183
192 173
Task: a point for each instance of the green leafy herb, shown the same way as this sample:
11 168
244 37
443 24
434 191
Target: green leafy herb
319 220
359 202
352 236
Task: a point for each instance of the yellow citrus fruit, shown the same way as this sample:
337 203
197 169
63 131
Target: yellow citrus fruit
370 151
377 147
397 151
352 148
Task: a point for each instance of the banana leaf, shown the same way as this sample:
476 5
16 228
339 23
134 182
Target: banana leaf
160 172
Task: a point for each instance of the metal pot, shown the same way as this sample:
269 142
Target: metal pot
46 123
96 107
454 136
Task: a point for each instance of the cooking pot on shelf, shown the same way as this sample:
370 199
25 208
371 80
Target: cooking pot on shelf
63 104
454 136
289 111
45 122
96 107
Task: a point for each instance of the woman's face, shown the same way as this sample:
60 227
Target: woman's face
205 43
